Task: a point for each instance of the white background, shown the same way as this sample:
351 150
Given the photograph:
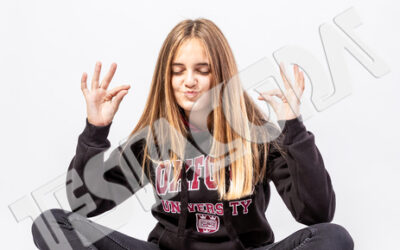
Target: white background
46 45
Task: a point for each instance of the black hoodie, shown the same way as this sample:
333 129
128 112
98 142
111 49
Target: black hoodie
193 218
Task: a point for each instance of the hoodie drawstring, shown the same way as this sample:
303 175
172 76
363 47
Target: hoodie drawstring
184 203
227 217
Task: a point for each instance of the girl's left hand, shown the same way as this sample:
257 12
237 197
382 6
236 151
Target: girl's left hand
290 99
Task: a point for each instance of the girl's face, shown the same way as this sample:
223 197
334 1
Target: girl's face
190 76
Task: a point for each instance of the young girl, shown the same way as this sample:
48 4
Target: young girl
208 151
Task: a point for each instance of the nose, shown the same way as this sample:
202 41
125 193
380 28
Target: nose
190 80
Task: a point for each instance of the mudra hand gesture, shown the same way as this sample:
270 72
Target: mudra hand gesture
290 99
102 104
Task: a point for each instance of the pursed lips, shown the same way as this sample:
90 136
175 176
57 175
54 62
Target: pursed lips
191 94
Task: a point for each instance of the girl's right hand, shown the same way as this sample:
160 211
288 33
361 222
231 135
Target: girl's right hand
102 104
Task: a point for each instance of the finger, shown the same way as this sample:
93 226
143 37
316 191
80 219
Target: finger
96 75
299 78
115 91
284 78
296 73
118 98
266 96
302 80
262 98
107 79
83 84
276 92
272 102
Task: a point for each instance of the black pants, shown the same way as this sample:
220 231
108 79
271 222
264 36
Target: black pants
59 229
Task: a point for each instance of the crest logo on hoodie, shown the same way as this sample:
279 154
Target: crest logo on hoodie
207 223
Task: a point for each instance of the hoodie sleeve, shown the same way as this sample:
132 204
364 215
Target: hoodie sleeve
300 176
95 186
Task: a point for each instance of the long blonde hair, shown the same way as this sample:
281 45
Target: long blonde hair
247 169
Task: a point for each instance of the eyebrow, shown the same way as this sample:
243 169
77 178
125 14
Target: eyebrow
197 64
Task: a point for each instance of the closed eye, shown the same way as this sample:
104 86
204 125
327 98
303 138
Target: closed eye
204 72
201 72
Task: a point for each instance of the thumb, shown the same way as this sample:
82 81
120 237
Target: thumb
118 98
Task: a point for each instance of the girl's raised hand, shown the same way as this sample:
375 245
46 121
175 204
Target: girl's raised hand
289 108
102 104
